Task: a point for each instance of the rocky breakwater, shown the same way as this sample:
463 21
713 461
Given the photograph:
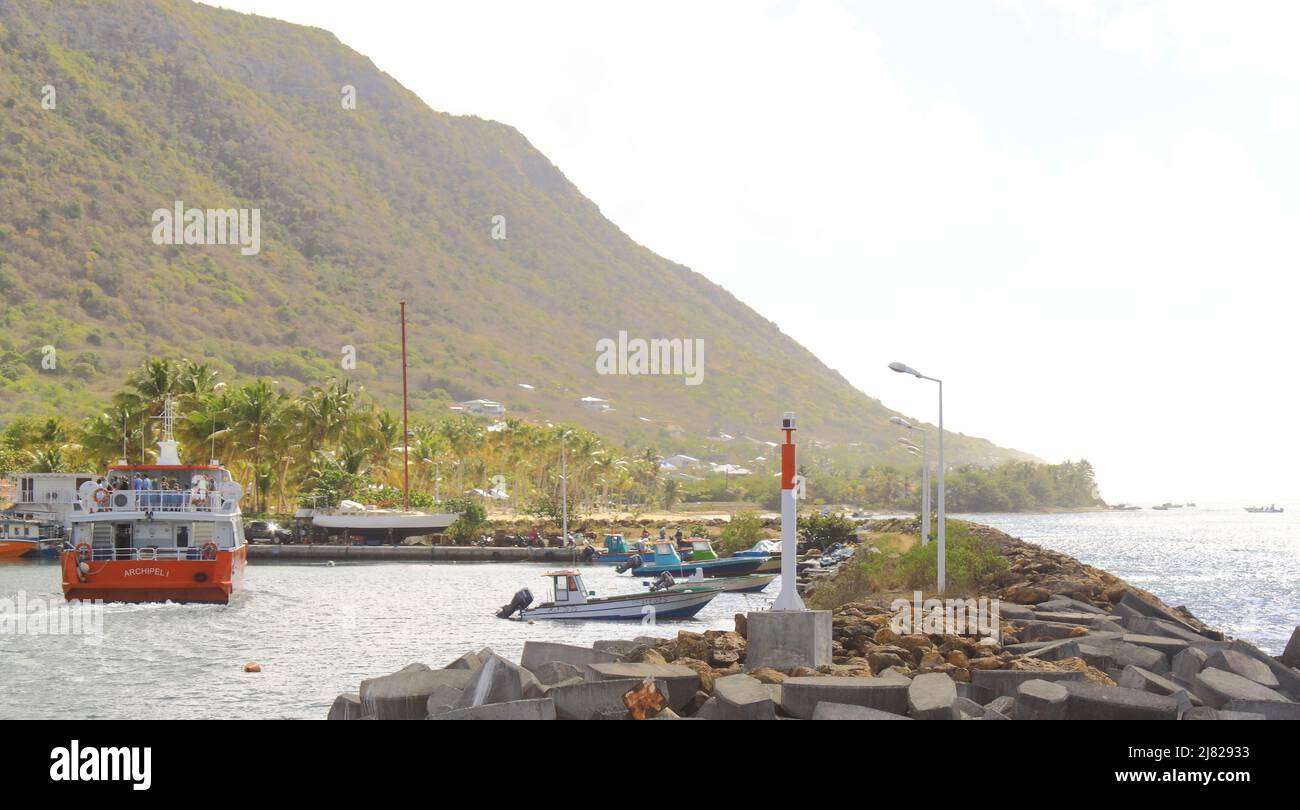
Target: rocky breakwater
1074 643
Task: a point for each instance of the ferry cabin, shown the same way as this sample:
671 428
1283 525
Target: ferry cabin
182 511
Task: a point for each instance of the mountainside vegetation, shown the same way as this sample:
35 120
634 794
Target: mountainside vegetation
113 111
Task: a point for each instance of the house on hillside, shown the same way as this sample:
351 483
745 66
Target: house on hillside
486 406
595 404
681 461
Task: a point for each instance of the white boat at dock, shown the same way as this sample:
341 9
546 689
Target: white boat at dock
571 600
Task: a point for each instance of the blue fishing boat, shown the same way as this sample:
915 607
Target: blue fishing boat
617 551
662 556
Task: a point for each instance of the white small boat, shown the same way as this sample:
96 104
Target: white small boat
572 600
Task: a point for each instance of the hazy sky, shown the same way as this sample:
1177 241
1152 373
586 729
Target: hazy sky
1082 216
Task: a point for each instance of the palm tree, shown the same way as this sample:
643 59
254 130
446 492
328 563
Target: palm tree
255 409
671 493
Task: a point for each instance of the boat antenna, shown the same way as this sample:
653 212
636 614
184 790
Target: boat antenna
406 431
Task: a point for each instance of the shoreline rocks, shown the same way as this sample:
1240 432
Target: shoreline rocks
1074 642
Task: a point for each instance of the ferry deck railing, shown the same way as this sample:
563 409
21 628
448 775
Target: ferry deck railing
160 500
153 554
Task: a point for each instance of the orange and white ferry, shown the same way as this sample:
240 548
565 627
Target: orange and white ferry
156 532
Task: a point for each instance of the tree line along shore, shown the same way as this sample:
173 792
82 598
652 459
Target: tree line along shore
330 441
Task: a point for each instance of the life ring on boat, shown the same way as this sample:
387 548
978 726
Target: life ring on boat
208 551
101 497
83 551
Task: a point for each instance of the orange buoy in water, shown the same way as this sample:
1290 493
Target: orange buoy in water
252 666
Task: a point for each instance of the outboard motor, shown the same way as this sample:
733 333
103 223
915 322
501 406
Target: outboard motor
632 562
664 582
588 553
523 598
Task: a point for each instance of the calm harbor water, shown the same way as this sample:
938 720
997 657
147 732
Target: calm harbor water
319 630
1233 570
316 630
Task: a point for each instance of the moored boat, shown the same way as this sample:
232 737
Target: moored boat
616 550
663 557
156 532
752 583
1271 509
572 601
770 551
18 538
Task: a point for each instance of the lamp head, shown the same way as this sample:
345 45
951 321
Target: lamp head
903 368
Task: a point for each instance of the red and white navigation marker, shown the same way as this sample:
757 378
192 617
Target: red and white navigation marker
789 597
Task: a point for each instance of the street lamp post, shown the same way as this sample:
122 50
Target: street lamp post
925 474
943 532
925 499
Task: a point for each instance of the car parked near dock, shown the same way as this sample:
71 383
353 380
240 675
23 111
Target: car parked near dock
267 531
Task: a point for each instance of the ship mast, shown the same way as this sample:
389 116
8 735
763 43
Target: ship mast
167 454
406 431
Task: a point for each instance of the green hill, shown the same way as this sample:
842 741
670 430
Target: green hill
159 102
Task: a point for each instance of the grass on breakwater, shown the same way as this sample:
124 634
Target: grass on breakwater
899 563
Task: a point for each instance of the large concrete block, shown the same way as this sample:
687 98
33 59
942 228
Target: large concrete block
1076 618
1008 611
1041 700
709 711
800 696
1056 651
1206 713
1090 701
1004 706
932 696
1044 631
1288 678
1164 644
682 682
843 711
967 709
1060 602
784 640
976 693
537 653
588 700
1141 606
1162 627
497 681
1216 687
1001 682
1123 654
553 672
1291 655
1145 681
444 699
1189 662
540 709
404 695
1241 664
741 697
1271 709
346 707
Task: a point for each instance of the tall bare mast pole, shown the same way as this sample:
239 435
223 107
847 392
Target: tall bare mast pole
406 431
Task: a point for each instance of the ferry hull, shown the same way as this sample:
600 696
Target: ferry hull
196 581
12 549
